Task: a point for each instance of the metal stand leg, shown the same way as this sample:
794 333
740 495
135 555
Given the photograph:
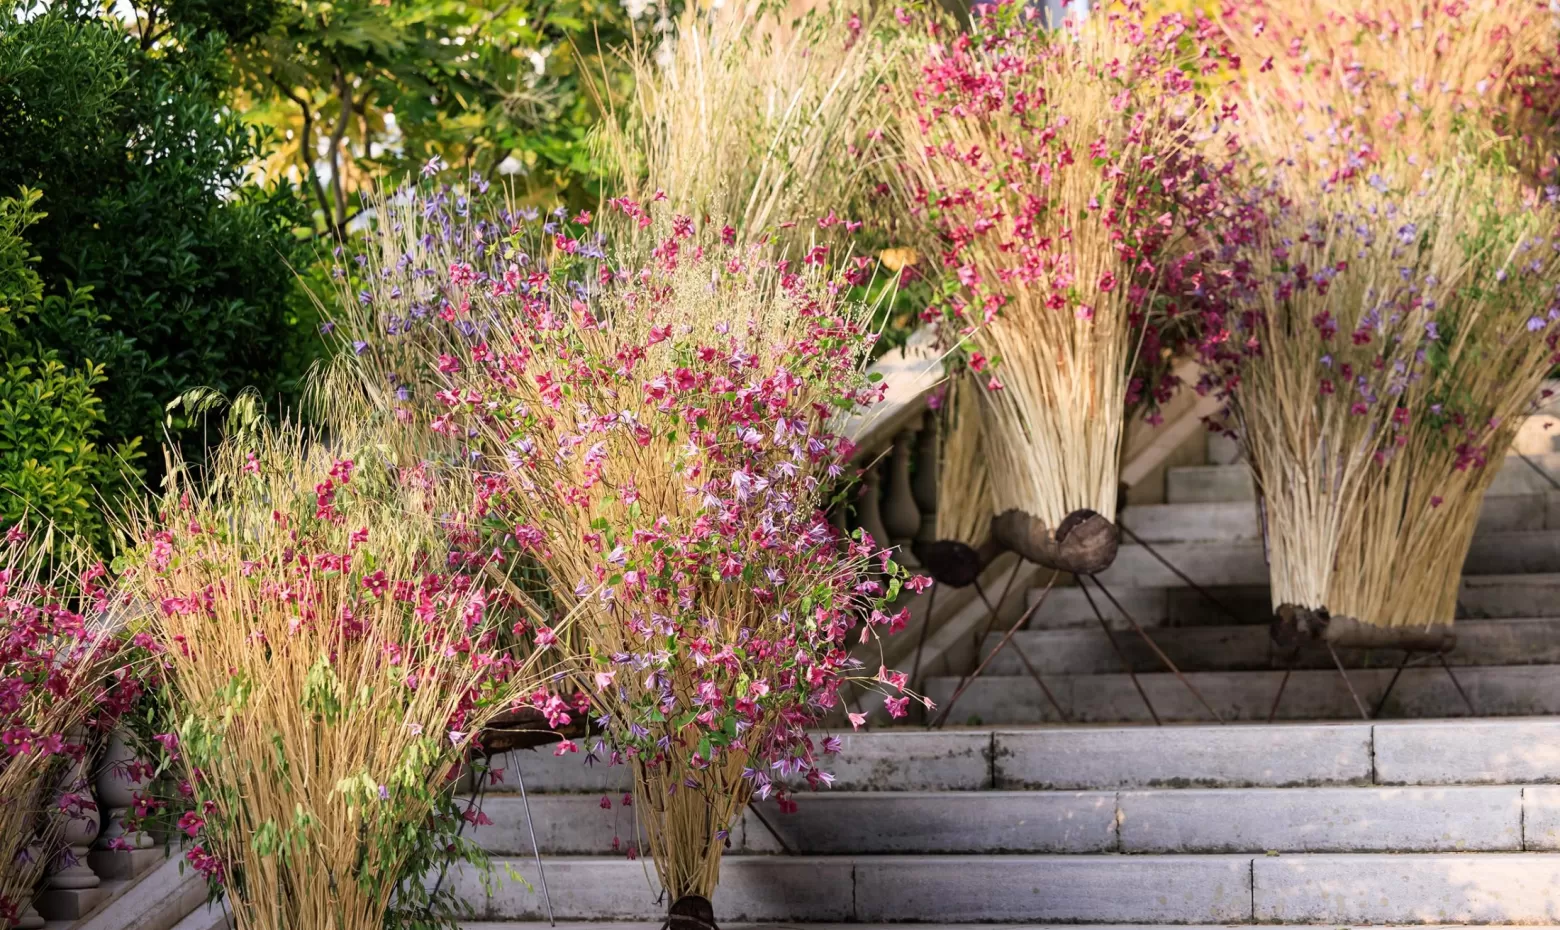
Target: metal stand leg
541 874
1125 663
967 679
992 614
1382 703
1289 668
1364 715
1457 684
1033 673
1157 651
1203 592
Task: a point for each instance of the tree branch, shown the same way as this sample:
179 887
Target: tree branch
146 36
338 191
306 145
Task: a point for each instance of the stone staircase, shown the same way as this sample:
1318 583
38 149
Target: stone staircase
1405 822
1008 817
1507 659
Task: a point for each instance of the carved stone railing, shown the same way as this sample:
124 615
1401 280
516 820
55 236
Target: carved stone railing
897 500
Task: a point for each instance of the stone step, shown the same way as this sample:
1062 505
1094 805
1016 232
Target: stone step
160 898
870 760
1310 694
1157 889
1219 564
1207 484
815 925
1098 758
1237 520
1518 641
1528 595
1504 818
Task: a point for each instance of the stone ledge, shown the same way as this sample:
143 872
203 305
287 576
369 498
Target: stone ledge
1407 888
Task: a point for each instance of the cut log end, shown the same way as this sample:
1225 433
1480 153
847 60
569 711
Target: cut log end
1293 624
691 912
524 728
1085 543
954 564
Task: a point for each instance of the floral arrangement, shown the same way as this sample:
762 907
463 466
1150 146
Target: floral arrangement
1489 344
656 439
1327 327
1335 79
1379 135
331 651
64 680
1063 170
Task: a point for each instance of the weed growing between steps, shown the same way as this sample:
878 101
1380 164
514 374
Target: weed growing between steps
330 663
64 681
1060 167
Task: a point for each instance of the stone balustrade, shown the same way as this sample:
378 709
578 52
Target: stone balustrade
102 858
896 449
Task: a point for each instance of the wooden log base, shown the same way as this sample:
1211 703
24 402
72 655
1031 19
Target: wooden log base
1085 543
691 912
524 728
1293 624
1350 633
954 564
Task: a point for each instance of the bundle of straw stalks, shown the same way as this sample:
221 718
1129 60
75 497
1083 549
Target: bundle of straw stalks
1044 158
964 512
964 509
1381 94
332 660
762 116
663 452
1494 338
1327 331
1331 79
62 677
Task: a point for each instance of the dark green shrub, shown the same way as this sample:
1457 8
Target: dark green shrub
52 467
141 164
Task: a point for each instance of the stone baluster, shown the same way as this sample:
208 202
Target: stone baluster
926 476
71 888
121 852
869 515
30 919
901 515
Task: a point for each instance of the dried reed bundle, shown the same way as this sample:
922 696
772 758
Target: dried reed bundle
760 118
662 448
1491 343
1060 168
964 508
1327 330
61 676
1331 86
963 546
1335 80
333 661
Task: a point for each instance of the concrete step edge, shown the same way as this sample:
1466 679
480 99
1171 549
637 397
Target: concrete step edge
1039 822
1338 889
